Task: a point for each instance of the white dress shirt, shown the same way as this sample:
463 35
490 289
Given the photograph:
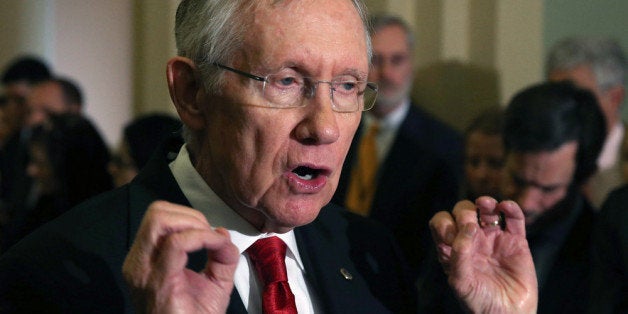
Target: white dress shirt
608 176
243 235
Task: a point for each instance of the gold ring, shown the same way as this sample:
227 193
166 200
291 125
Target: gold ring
494 223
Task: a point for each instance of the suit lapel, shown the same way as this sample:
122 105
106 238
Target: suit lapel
323 246
339 286
154 182
235 304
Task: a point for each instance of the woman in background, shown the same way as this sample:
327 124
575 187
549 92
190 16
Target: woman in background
484 155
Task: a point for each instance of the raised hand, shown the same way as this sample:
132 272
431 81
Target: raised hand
155 266
483 249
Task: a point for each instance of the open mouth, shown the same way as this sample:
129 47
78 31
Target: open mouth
306 173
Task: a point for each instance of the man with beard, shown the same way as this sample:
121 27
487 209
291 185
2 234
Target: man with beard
553 135
412 165
599 65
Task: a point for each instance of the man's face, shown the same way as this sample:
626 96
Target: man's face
484 160
45 99
583 77
41 170
278 167
15 110
392 68
538 181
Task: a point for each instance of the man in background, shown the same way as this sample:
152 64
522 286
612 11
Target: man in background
403 164
553 134
18 80
53 96
238 218
597 64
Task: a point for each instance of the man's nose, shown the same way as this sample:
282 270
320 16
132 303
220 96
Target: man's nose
528 197
482 170
319 124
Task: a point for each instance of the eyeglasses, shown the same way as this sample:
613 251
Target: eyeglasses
287 89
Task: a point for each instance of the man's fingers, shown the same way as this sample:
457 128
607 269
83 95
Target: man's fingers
226 260
462 256
228 255
163 218
172 255
443 228
464 213
488 215
513 215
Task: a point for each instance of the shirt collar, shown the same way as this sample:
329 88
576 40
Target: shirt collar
393 119
216 211
612 147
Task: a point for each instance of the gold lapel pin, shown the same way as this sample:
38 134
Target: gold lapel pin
346 274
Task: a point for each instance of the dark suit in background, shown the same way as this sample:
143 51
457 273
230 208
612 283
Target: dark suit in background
74 264
414 181
609 287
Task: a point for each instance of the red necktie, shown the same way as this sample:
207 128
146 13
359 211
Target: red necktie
268 256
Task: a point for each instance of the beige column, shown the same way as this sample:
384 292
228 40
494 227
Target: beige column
455 26
519 45
154 45
25 26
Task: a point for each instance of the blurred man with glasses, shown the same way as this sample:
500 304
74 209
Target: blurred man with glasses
18 80
599 65
403 164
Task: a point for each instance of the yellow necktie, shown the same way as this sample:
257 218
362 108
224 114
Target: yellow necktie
362 185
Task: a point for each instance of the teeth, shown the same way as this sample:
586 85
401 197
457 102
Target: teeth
305 173
305 177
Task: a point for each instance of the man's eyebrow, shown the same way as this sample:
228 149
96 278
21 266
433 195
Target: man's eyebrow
360 75
301 68
521 180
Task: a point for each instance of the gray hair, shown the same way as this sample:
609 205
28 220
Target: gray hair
603 55
380 21
208 31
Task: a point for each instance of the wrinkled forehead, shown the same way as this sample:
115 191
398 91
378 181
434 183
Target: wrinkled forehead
312 28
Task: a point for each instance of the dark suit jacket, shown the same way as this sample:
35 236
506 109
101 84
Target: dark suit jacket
414 181
609 287
73 264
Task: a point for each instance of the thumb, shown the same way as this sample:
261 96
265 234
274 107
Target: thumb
222 260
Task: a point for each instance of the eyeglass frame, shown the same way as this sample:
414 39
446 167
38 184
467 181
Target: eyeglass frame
371 85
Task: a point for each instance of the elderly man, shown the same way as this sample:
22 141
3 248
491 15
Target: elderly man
270 93
597 64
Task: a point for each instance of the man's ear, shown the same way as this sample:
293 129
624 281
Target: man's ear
617 94
184 88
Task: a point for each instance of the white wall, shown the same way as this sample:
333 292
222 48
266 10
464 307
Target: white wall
89 41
